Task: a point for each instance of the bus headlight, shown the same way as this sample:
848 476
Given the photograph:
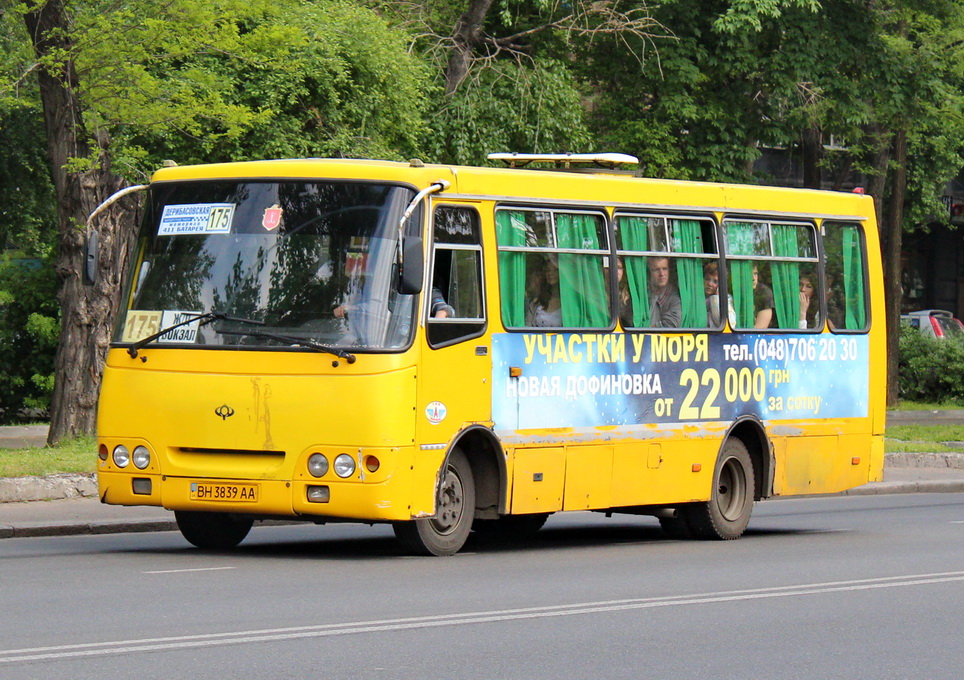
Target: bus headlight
317 465
121 456
344 465
141 457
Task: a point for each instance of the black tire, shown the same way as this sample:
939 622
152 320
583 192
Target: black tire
446 533
511 526
211 530
726 514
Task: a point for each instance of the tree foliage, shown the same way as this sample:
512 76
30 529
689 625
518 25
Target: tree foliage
694 88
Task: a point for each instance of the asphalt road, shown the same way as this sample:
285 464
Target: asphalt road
855 587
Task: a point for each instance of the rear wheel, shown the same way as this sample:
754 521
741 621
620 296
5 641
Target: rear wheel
210 530
727 513
447 532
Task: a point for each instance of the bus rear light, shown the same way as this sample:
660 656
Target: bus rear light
372 464
319 494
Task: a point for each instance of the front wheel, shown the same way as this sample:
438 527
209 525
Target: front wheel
446 533
727 513
211 530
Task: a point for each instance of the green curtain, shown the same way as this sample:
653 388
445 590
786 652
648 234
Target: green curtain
511 231
582 284
853 268
634 232
688 238
739 238
786 276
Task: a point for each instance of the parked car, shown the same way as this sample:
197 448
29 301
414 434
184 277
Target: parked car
936 323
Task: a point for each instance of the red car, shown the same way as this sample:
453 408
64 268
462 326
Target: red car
937 323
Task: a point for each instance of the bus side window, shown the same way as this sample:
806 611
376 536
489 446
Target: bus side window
844 276
454 309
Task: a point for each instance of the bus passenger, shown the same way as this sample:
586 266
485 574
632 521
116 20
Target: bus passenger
762 301
624 296
439 308
711 288
666 307
809 301
543 307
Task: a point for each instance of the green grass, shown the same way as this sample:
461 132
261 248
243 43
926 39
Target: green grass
75 455
80 455
923 438
924 406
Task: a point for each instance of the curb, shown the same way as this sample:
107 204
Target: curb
48 529
52 487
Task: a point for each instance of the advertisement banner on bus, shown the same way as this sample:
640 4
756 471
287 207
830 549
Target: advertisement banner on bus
612 379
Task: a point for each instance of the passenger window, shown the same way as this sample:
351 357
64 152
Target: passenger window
843 250
660 271
455 308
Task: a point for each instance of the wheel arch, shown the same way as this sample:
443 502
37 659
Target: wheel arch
487 458
750 431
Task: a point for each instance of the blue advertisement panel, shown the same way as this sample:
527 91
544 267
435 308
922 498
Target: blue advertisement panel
613 379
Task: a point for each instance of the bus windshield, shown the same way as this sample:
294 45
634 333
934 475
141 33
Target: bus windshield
292 260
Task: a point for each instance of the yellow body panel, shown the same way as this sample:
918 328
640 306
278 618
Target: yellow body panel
286 405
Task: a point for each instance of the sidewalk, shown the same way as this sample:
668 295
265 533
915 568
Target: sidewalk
61 505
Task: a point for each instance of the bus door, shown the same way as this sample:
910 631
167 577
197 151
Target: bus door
454 373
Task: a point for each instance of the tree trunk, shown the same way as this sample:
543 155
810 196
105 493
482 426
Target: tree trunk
465 38
889 190
87 312
811 142
894 219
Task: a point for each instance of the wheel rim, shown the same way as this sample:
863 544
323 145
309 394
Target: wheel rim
731 490
451 503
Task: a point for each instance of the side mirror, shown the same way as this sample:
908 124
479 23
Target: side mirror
91 250
413 268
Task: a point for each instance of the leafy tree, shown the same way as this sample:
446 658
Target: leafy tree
882 79
122 86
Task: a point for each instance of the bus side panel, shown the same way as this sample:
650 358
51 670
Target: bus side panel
654 473
538 479
826 464
588 477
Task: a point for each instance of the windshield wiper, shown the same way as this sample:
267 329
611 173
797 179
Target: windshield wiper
204 319
300 342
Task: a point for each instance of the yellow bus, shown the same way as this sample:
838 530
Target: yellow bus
446 348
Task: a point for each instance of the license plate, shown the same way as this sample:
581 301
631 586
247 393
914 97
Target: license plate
232 493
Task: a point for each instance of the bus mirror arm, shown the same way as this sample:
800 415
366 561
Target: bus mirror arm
410 248
92 247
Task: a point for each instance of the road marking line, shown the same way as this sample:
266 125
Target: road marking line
184 571
440 620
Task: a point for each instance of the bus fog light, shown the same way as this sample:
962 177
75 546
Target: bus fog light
372 463
141 486
141 457
344 465
318 494
121 456
317 465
